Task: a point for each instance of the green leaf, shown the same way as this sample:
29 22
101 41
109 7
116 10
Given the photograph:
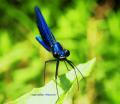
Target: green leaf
66 84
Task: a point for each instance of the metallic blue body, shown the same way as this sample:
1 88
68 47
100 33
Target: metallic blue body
47 40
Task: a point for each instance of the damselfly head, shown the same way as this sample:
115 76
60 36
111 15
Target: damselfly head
61 54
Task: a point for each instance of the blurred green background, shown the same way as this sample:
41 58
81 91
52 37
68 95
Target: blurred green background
88 28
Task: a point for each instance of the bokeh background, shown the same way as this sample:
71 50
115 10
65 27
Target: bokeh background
88 28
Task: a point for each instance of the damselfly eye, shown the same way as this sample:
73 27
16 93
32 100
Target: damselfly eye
67 52
55 54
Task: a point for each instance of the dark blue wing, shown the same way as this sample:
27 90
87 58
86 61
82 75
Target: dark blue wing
44 30
42 43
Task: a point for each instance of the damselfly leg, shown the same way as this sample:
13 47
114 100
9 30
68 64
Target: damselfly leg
48 61
56 75
74 71
66 65
77 69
